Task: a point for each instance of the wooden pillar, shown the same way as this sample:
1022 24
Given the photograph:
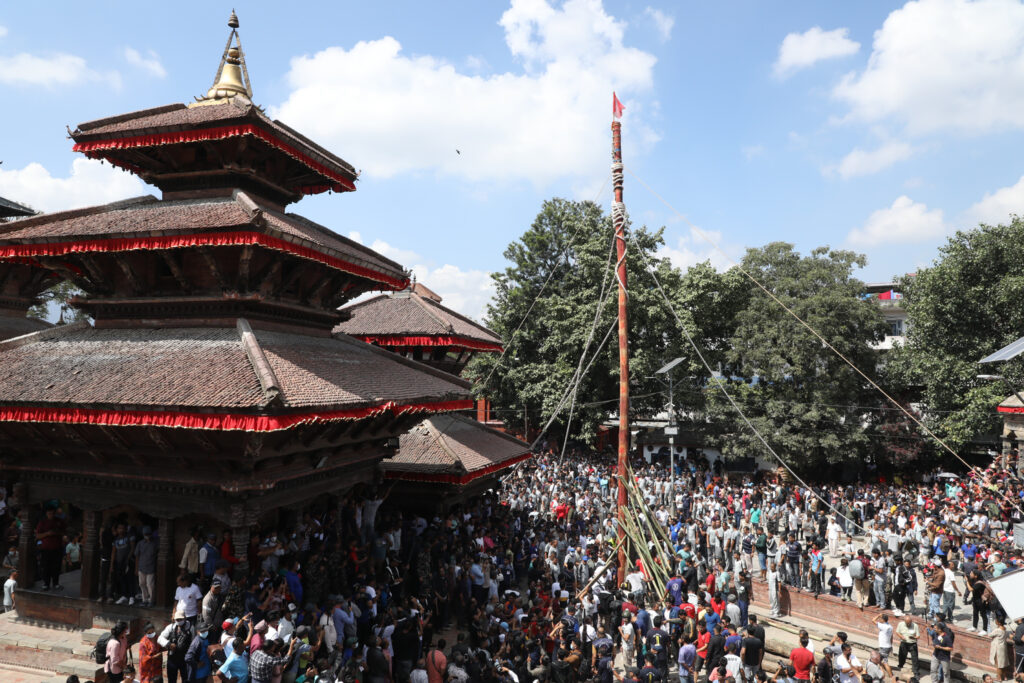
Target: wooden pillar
240 520
92 524
26 537
166 573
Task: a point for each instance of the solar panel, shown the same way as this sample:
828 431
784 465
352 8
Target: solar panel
1006 353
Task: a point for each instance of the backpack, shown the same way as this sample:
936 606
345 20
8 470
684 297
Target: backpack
857 569
99 651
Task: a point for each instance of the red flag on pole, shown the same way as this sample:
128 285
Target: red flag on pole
617 107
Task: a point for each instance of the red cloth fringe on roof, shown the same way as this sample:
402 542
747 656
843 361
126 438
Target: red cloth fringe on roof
459 342
219 421
341 183
215 239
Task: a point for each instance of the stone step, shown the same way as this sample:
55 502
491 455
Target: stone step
84 670
92 635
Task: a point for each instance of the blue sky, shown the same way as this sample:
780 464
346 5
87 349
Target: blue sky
881 127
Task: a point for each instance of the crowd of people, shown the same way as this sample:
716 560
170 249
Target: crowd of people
520 585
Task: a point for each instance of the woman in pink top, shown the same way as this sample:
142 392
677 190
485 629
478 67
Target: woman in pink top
117 653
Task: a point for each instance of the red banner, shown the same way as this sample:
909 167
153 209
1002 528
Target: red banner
218 421
203 239
341 183
434 340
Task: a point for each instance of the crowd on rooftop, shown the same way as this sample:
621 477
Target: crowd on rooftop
520 585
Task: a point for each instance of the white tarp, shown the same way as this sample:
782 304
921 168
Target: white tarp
1009 588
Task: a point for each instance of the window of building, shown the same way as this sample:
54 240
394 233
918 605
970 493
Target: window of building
896 328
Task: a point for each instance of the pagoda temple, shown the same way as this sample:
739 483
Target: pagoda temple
444 459
208 388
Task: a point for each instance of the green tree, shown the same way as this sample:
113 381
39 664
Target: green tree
570 243
962 308
59 296
809 405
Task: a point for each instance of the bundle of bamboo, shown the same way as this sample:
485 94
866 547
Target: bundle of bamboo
646 539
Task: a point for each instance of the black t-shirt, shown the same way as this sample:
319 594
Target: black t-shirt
752 654
649 674
657 642
824 668
690 579
758 632
716 649
1018 638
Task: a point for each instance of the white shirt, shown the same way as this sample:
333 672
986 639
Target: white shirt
884 635
846 673
9 586
188 600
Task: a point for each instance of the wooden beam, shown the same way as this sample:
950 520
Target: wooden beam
211 263
204 443
158 438
265 278
175 268
299 269
115 438
61 268
317 289
129 273
95 272
244 262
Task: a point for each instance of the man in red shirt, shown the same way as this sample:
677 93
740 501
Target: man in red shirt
50 534
802 660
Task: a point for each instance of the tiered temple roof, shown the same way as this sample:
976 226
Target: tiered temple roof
9 209
453 449
413 323
209 381
459 453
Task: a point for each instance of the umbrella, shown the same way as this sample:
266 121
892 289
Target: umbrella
947 475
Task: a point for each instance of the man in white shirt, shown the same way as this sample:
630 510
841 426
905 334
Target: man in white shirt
187 598
884 636
9 587
848 665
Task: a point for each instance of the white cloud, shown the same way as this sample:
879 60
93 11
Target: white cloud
150 63
89 184
801 50
693 248
390 113
944 65
751 151
58 69
464 291
860 162
995 207
663 22
905 222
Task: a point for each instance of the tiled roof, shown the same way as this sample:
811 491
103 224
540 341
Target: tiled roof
17 325
148 216
180 117
408 313
207 368
9 209
453 444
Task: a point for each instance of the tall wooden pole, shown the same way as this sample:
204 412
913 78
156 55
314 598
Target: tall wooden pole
619 221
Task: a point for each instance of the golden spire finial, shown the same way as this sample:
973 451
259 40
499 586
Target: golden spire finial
232 79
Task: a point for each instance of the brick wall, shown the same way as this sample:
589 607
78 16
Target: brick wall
836 615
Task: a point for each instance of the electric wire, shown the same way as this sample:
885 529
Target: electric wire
813 331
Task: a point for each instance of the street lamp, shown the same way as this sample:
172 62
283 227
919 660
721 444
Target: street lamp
671 430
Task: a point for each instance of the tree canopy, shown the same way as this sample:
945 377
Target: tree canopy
963 307
803 398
